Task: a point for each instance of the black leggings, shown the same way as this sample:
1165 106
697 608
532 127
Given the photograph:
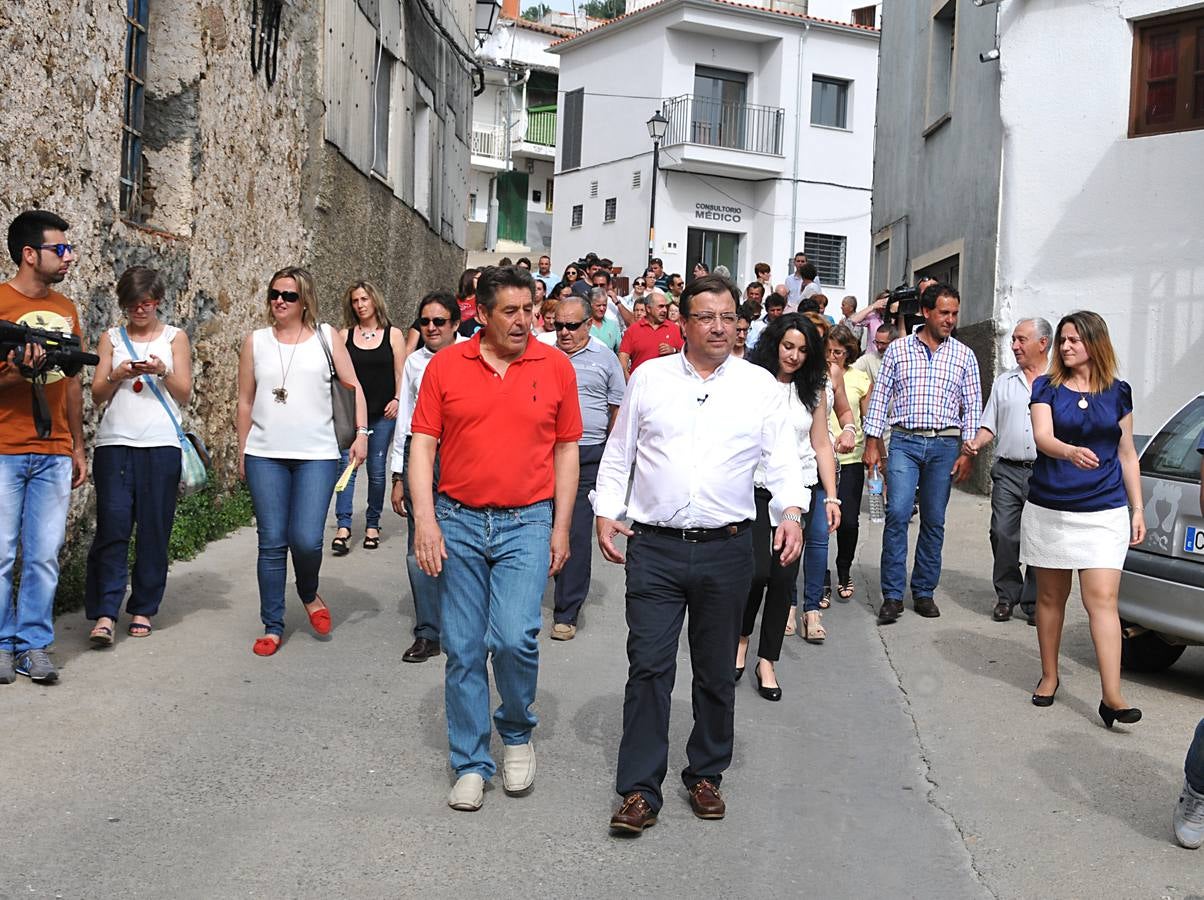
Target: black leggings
852 482
771 582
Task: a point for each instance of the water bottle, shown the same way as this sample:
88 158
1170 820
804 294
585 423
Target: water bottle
877 506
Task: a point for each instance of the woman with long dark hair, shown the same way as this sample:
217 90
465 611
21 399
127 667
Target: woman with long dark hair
791 350
1084 507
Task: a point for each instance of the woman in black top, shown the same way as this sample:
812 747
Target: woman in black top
377 351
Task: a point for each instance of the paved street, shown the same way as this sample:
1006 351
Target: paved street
902 762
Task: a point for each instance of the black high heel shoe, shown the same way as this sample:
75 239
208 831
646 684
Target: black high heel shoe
1124 716
1046 699
773 693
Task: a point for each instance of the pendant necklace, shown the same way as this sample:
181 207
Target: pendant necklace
138 385
1082 404
368 335
281 393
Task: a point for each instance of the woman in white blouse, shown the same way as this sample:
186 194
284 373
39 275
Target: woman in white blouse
288 452
136 464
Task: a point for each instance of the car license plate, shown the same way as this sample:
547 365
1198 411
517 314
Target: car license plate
1193 540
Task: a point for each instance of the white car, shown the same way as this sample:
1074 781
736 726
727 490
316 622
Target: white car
1162 585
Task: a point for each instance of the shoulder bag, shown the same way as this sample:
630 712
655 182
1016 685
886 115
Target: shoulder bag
342 401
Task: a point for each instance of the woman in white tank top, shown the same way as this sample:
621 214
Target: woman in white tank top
136 464
288 453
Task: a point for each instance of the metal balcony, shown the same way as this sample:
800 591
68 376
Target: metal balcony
714 123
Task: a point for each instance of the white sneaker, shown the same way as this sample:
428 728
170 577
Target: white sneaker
468 793
518 768
1189 818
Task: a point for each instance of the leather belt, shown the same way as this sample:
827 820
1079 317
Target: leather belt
694 535
951 431
1022 463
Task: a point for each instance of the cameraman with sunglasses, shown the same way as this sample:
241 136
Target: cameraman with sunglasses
38 470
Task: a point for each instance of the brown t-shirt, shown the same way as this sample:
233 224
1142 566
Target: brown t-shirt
18 434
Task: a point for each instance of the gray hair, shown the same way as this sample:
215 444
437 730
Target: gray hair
722 270
577 300
1041 326
597 293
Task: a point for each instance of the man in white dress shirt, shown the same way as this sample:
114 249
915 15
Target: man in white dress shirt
1006 417
694 427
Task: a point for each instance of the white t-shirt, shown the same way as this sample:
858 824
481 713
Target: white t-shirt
302 427
800 421
137 418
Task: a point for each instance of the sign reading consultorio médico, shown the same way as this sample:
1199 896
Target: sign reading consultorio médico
713 212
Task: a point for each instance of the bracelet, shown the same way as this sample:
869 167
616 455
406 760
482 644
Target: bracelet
362 429
850 427
835 500
398 399
109 377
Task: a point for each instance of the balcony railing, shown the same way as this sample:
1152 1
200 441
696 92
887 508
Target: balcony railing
541 126
713 123
488 141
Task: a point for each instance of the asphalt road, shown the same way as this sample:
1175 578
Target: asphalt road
902 762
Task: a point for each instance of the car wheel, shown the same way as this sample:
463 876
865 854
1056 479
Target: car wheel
1148 652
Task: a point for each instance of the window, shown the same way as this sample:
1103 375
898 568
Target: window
382 102
1172 452
547 195
578 216
865 16
574 110
136 22
941 54
829 102
422 157
881 278
827 252
472 206
1168 75
611 208
717 117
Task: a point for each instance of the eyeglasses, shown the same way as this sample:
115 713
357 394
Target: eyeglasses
143 304
60 250
708 318
286 296
571 326
641 284
741 331
437 321
881 345
837 351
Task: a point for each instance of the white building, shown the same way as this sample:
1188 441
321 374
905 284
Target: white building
513 138
769 147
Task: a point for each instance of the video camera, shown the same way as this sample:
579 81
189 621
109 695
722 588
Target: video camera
62 352
908 298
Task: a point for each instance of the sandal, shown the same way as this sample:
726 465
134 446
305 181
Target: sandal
826 600
139 629
339 545
319 619
813 629
846 589
371 543
101 636
266 645
790 622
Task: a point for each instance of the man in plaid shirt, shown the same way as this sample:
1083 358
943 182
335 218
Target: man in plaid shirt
929 381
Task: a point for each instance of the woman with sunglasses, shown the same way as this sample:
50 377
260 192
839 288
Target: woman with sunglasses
145 367
438 317
571 274
287 451
378 355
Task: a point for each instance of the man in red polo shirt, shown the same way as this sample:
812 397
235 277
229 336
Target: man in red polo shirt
499 529
651 336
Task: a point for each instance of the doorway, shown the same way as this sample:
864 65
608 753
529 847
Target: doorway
712 248
512 207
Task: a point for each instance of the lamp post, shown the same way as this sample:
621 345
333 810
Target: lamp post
485 18
657 126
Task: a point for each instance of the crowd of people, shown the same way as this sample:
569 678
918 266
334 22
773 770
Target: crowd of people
725 433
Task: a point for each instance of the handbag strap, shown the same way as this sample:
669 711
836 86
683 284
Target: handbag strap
149 382
326 350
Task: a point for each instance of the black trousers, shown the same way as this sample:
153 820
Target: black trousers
666 578
572 584
771 583
852 483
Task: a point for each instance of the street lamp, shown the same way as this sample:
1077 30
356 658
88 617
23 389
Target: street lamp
657 126
485 18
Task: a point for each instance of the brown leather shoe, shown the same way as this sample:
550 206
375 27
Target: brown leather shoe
706 801
421 650
633 815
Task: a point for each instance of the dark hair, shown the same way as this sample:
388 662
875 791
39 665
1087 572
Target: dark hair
505 261
656 261
755 286
761 267
701 265
808 305
606 263
746 310
466 289
934 292
137 282
775 299
29 229
523 259
707 284
495 277
808 270
604 272
445 299
545 256
809 380
564 274
852 347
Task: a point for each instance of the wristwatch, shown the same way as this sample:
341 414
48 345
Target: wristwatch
796 518
396 477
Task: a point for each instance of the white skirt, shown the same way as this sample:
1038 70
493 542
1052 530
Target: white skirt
1055 539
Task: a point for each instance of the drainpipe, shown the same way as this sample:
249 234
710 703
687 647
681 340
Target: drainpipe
491 220
798 129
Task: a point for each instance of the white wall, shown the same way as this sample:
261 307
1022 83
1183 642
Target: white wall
1091 218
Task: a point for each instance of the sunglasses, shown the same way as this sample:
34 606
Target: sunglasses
286 296
571 326
437 321
641 284
60 250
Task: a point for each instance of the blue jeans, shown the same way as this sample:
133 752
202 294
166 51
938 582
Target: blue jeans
35 491
815 551
1193 765
423 588
489 594
379 442
291 498
927 463
135 486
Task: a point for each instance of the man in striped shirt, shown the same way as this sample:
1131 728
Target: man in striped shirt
930 383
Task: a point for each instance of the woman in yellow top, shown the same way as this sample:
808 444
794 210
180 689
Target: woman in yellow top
843 350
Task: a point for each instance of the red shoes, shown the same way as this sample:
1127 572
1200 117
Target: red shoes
319 619
266 645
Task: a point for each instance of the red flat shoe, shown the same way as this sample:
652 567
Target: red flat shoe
319 620
265 646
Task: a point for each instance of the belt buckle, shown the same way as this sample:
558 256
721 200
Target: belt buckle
685 536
